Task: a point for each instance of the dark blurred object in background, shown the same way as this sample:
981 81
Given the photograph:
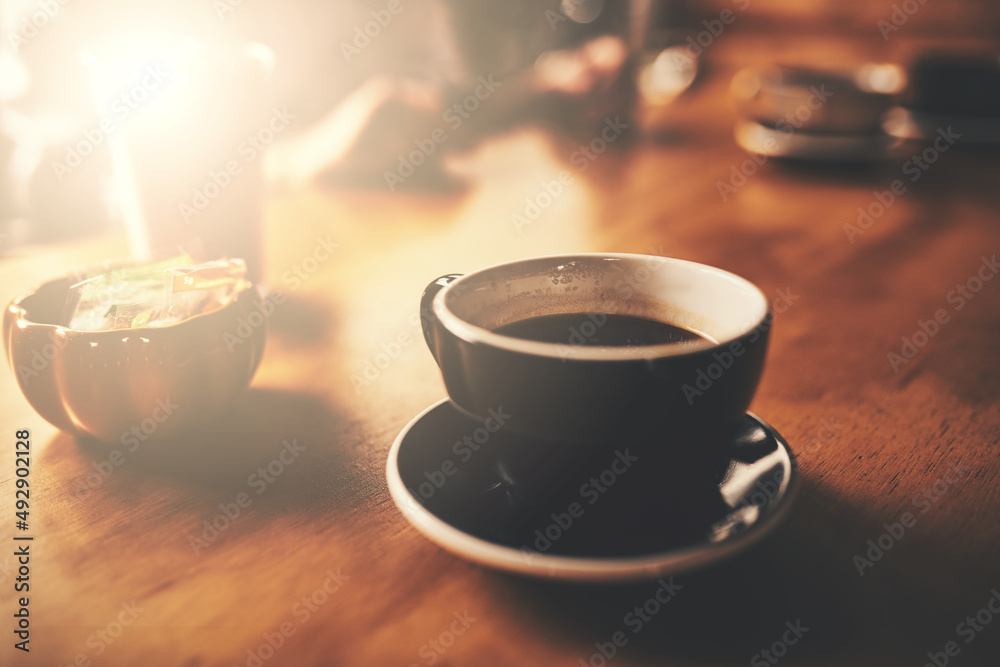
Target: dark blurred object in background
957 86
564 66
966 84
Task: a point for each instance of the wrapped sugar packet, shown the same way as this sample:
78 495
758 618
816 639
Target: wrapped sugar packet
153 295
121 298
201 288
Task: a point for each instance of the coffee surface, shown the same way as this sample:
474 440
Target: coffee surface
598 329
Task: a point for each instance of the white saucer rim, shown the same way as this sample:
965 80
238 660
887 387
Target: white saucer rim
751 136
580 568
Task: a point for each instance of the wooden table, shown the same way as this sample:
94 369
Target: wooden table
326 566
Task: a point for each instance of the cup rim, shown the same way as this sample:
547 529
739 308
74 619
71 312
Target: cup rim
475 334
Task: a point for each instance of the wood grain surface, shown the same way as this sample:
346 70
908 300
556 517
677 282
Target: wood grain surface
323 553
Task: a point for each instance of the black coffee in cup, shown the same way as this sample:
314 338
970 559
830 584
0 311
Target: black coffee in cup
598 329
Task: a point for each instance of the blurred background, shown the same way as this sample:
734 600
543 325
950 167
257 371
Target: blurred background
88 136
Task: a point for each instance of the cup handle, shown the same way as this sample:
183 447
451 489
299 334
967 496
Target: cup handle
427 319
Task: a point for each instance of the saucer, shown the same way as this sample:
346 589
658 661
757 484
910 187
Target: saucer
769 142
492 497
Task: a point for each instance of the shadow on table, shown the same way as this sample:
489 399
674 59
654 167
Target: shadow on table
736 610
263 436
